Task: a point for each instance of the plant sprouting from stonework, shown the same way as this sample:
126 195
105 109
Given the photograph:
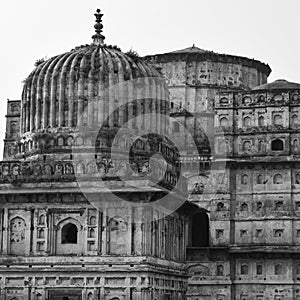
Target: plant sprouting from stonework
39 61
132 54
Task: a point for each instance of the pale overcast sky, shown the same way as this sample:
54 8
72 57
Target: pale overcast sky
267 30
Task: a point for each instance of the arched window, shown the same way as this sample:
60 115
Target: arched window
277 145
258 206
261 121
92 233
277 120
224 122
60 141
278 269
259 179
117 235
244 179
244 207
90 296
220 270
69 234
278 233
42 220
278 205
246 146
277 179
38 297
259 269
261 146
200 237
244 269
247 100
295 120
41 233
80 169
93 220
295 145
220 206
70 141
247 122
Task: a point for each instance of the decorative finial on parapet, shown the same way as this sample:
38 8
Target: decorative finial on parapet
98 37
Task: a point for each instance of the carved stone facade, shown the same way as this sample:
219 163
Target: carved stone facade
226 158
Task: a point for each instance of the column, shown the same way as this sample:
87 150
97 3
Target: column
5 233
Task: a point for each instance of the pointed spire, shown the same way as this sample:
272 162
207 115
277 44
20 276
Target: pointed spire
98 37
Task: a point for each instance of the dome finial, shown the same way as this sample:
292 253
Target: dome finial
98 37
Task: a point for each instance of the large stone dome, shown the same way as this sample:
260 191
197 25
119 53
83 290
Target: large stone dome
57 92
91 85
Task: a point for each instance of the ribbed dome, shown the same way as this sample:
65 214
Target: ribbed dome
60 89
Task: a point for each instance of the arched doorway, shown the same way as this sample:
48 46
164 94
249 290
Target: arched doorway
200 230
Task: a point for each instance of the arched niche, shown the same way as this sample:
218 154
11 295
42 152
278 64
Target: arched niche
224 122
200 230
247 121
17 236
277 145
117 236
69 237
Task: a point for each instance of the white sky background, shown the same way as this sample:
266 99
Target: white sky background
267 30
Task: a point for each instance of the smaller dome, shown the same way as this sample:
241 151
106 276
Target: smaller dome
192 49
280 84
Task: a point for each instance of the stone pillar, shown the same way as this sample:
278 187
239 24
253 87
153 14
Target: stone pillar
104 232
102 289
138 230
5 232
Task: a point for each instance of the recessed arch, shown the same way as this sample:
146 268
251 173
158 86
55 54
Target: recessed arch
200 230
277 145
295 120
17 236
244 179
220 270
69 234
261 121
259 179
277 179
278 270
277 120
247 121
244 269
223 122
259 269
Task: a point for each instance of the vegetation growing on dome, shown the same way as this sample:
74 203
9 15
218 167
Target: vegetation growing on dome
39 61
132 54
